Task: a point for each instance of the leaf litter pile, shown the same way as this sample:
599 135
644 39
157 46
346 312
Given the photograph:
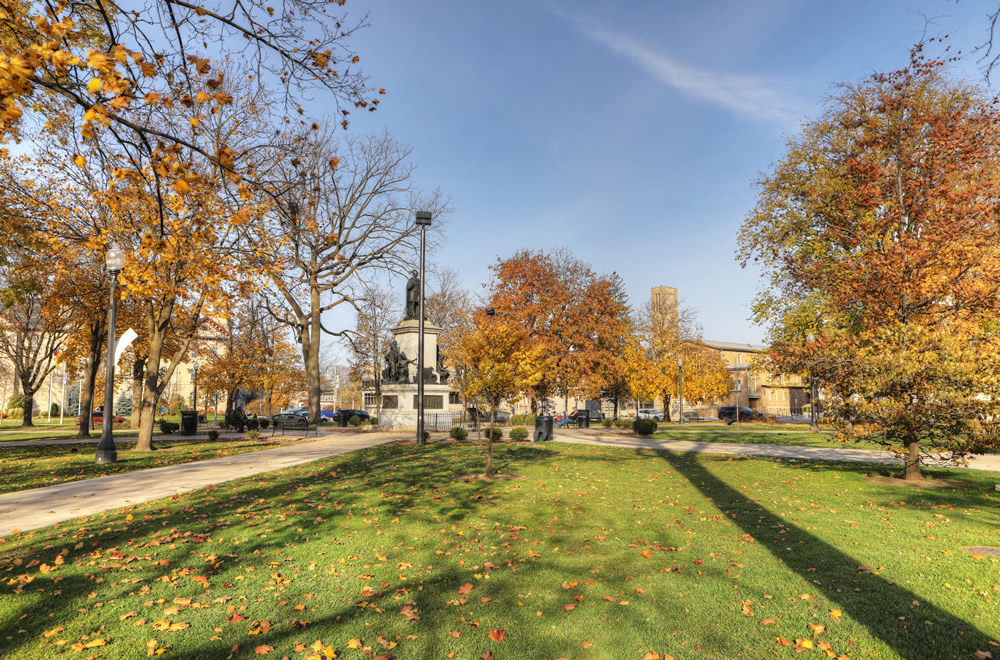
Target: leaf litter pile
596 552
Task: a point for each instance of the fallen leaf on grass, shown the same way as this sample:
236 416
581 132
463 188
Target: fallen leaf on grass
836 614
804 643
767 622
785 642
354 644
54 631
746 609
497 634
646 553
569 607
465 588
263 649
817 628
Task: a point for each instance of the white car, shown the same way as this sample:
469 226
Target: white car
650 413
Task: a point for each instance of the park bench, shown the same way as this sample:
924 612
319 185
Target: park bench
299 424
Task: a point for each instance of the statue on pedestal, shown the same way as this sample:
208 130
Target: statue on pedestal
396 365
443 373
412 297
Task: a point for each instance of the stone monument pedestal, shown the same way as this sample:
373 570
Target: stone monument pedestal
399 398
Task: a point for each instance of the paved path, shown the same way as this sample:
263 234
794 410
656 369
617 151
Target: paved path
39 507
596 437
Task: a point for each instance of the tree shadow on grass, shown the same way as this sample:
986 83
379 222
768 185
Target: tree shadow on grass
121 556
871 600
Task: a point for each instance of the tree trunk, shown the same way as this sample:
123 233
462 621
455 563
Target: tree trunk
29 405
268 395
310 353
666 406
912 460
95 350
138 371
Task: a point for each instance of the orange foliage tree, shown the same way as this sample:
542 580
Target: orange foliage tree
879 233
502 363
567 311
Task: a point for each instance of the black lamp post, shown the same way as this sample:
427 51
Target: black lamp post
680 388
812 389
194 379
423 221
106 453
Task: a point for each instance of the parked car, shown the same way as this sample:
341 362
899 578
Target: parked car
347 413
691 416
98 419
728 414
650 413
295 416
502 416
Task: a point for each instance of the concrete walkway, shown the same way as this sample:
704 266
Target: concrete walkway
39 507
611 439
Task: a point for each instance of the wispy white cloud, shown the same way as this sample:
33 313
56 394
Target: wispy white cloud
758 97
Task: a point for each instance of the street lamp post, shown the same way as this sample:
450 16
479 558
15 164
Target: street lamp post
680 388
812 389
106 453
423 221
194 379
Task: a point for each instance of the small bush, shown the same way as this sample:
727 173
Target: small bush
529 420
516 420
15 413
607 422
213 435
644 426
264 422
14 402
167 428
354 420
519 434
374 421
54 410
459 433
253 435
497 434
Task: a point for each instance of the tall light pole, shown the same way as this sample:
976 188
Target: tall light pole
680 388
194 379
106 453
812 388
423 221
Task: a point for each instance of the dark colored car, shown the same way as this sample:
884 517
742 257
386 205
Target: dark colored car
728 414
502 416
347 413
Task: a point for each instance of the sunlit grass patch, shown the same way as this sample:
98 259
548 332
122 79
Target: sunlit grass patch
595 552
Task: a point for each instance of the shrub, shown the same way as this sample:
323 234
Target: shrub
516 420
644 426
497 434
529 420
623 423
16 401
253 435
15 413
264 422
519 434
459 433
607 422
354 420
213 435
54 409
374 421
168 427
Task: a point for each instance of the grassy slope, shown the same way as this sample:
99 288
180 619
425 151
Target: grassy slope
22 468
596 553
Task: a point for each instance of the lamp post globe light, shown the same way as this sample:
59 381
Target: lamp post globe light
106 453
423 221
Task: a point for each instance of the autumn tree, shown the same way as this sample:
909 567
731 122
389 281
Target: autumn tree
878 234
345 216
32 319
369 340
503 363
450 306
565 309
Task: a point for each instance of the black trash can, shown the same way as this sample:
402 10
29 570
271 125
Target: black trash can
342 421
543 428
189 422
583 420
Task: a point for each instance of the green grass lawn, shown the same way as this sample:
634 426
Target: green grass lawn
11 430
752 435
22 468
593 553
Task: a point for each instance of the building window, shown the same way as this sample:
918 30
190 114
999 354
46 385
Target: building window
453 397
431 402
390 402
369 399
737 385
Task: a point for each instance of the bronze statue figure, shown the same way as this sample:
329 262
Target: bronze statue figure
412 297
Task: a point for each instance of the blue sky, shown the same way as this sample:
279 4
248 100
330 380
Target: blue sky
630 132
